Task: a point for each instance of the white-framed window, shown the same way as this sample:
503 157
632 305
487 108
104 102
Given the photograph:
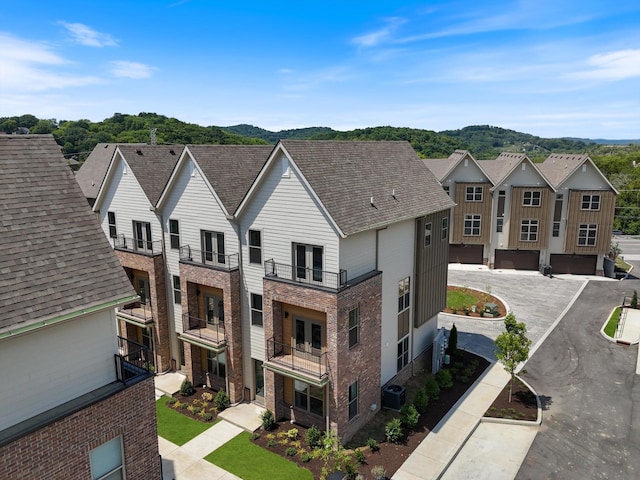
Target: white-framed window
404 291
404 296
403 353
474 194
111 220
354 326
308 262
142 236
557 215
256 309
529 230
177 293
587 234
499 224
591 202
427 234
216 363
445 228
353 400
255 246
107 460
308 397
471 225
174 234
213 251
531 198
446 189
555 231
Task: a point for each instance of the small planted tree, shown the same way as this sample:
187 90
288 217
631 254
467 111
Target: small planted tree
634 300
452 346
512 347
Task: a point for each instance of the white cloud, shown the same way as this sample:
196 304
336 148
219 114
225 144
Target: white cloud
617 65
88 37
383 34
135 70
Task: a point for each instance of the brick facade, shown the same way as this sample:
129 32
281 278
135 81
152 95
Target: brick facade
60 451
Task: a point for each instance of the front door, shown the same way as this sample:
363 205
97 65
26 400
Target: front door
142 234
259 380
213 247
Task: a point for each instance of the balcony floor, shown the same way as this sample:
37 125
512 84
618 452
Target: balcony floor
299 366
206 335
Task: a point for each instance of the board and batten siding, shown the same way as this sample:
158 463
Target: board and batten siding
603 218
463 208
358 253
55 364
124 196
284 210
519 212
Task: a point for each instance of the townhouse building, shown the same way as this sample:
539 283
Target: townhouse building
304 277
513 213
76 401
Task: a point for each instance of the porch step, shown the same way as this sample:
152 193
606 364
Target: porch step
244 415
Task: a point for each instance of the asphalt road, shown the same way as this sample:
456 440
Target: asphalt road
591 395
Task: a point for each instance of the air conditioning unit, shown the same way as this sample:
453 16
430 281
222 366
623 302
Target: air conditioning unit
393 397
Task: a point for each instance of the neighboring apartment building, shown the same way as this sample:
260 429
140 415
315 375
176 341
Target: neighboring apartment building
304 277
76 401
513 213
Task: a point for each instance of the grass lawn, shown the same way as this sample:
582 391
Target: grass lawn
621 264
176 427
456 299
250 462
612 324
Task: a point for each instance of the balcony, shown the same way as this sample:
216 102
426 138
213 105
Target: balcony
214 260
199 329
137 312
307 276
133 361
137 245
288 359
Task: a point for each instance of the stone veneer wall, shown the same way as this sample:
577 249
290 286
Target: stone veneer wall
60 451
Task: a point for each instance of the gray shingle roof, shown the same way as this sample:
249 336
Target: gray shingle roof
152 165
231 169
54 257
346 174
558 167
440 168
92 172
502 166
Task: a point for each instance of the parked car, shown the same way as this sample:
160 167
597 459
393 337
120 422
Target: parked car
617 232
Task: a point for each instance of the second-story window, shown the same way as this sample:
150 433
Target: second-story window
111 219
212 247
529 230
445 228
255 246
404 296
354 326
177 294
307 260
590 202
474 194
427 234
531 198
256 309
587 234
174 234
557 215
471 225
142 235
353 400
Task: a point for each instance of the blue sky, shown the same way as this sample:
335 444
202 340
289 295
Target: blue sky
550 68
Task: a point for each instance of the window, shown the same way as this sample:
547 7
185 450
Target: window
427 234
587 234
472 225
531 199
474 194
557 215
214 310
256 309
446 189
142 236
590 202
307 260
308 397
216 363
529 231
113 230
353 400
174 234
403 294
445 228
403 322
403 353
183 359
354 326
502 195
106 461
499 225
177 294
212 247
255 246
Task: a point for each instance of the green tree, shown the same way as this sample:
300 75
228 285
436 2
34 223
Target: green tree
452 346
512 347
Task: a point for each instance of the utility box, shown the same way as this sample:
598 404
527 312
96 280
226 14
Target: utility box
393 397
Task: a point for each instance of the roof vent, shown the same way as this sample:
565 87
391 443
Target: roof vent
393 193
106 145
139 152
172 152
372 201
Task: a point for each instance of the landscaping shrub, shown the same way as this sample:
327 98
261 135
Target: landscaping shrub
306 457
207 396
206 416
432 388
372 443
421 400
186 389
378 472
452 347
409 416
359 456
292 434
255 436
221 401
313 437
268 420
172 401
443 377
291 452
393 430
634 300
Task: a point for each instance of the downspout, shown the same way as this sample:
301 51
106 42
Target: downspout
236 227
167 285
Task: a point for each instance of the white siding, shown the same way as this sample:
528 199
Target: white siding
55 364
396 260
358 253
529 177
466 173
585 178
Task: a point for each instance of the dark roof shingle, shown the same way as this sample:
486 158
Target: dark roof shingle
92 172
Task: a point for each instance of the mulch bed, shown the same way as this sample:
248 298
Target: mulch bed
390 456
482 298
196 400
523 405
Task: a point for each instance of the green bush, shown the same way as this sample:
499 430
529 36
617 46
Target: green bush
207 417
221 400
443 377
313 436
186 389
306 457
372 443
378 472
172 401
291 452
409 416
255 436
292 434
421 400
393 430
268 420
359 456
452 346
432 388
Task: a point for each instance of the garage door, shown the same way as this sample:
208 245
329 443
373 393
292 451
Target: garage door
517 259
465 253
576 264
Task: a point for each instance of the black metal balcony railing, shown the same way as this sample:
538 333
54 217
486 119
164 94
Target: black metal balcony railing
139 311
297 359
200 328
208 259
137 245
308 276
133 361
